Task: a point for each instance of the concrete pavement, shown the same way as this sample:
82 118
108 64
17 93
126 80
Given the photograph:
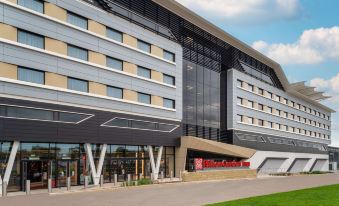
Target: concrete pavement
174 194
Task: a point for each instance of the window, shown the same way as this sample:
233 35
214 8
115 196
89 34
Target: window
285 128
261 122
298 106
240 101
240 84
293 104
261 107
169 56
284 114
77 20
292 116
30 75
270 124
143 72
250 104
277 98
285 101
77 84
250 120
144 98
31 39
298 130
270 109
35 5
169 79
251 87
169 103
278 112
261 91
144 46
114 92
77 52
114 63
239 118
270 95
114 34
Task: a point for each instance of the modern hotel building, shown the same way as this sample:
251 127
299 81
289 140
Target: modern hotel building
105 87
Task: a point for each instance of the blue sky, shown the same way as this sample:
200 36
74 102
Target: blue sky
301 35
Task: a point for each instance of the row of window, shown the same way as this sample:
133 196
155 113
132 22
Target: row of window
283 100
38 41
38 77
82 22
281 127
280 113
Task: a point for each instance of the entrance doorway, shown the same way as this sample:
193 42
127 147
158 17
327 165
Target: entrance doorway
67 168
37 172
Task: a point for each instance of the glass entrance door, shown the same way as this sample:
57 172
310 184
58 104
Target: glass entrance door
67 168
36 172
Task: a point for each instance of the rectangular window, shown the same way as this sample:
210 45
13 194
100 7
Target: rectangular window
114 63
261 91
30 75
114 92
169 103
239 83
77 84
143 72
261 122
35 5
251 87
270 95
169 56
240 101
77 52
261 107
270 124
169 79
77 20
250 104
144 46
277 98
250 120
114 34
31 39
270 110
144 98
239 118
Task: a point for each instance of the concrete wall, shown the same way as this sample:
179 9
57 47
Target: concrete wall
218 175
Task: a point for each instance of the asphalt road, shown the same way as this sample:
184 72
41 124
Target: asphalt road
195 193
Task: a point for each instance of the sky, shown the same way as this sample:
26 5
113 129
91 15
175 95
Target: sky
301 35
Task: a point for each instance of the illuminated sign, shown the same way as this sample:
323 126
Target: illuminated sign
201 164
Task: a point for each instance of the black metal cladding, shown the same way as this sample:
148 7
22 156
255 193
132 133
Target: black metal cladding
199 47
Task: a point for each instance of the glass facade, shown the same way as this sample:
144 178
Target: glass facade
201 102
77 85
39 161
77 20
30 75
35 5
31 39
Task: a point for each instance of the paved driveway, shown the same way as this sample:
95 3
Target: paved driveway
196 193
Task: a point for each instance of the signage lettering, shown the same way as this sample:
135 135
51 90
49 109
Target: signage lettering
201 164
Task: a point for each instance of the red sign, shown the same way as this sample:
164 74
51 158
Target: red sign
201 164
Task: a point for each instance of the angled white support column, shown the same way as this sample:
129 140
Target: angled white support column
155 167
10 164
96 172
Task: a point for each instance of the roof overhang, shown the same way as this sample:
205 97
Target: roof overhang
210 146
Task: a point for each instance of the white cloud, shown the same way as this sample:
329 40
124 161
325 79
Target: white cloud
245 11
314 46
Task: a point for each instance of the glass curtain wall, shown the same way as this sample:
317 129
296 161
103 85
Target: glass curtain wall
39 161
201 101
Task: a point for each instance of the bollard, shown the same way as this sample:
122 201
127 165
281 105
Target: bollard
171 175
180 175
86 182
129 179
101 180
49 185
28 187
68 183
4 189
162 175
115 180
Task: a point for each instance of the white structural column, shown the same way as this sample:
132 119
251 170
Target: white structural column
155 167
10 164
96 172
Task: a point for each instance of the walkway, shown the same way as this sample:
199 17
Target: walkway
196 193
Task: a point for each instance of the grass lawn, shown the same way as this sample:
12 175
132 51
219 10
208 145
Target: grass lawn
320 196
